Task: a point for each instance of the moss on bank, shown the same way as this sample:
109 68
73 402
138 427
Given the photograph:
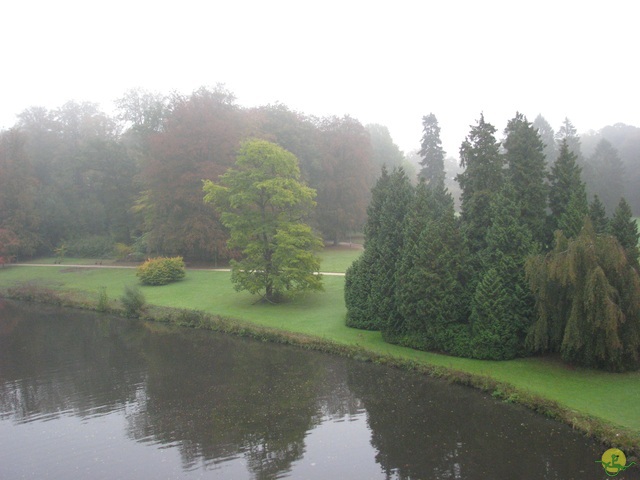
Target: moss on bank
609 435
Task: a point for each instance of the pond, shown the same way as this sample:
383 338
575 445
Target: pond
84 395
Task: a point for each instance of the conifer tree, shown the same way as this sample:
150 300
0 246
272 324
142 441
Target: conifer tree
430 279
389 246
494 335
527 171
358 277
587 302
572 219
509 244
598 216
624 227
431 152
564 181
369 283
547 136
606 177
569 134
481 179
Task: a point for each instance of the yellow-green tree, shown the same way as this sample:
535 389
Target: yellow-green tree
264 205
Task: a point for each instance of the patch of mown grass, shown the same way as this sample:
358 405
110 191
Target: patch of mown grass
600 403
338 259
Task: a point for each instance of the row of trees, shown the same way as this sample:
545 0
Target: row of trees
527 266
77 176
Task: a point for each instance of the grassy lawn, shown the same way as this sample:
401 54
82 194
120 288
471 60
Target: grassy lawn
613 398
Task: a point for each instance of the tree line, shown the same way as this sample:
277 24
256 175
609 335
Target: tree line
78 179
527 266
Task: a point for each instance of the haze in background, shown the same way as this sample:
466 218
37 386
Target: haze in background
381 62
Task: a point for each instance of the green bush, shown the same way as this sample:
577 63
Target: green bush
103 300
161 270
133 301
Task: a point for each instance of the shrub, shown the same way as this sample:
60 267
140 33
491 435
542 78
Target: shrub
103 300
161 270
133 301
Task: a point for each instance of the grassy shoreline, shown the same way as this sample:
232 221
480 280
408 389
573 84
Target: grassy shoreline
600 404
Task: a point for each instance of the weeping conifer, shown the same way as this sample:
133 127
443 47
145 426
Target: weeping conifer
587 302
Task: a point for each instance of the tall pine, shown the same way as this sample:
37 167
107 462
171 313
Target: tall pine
502 304
369 283
483 176
430 280
359 276
431 152
565 180
598 216
527 173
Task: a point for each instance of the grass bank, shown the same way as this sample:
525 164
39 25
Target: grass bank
601 404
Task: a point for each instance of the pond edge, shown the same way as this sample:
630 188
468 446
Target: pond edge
609 435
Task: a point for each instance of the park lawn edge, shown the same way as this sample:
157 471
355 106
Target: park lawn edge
602 431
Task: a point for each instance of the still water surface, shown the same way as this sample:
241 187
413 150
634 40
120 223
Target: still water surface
90 396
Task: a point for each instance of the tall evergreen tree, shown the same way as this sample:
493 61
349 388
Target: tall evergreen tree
389 246
499 332
481 179
358 278
606 177
624 227
598 216
587 302
572 219
565 179
369 283
431 152
430 279
547 136
527 171
569 133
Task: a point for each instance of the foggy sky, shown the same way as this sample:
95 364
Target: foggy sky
381 62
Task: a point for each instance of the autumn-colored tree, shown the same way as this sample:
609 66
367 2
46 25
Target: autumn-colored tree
263 204
198 140
345 178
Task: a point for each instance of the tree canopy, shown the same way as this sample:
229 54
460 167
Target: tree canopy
263 204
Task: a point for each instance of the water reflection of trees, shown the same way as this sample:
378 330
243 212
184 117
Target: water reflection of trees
426 428
69 369
217 400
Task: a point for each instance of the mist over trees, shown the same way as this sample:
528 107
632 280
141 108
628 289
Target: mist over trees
79 178
529 265
474 257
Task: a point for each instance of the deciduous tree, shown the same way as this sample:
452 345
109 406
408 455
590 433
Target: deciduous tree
263 204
